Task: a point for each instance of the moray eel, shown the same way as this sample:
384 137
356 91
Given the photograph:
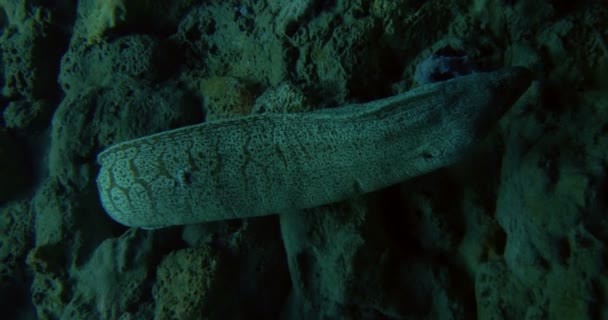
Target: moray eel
271 163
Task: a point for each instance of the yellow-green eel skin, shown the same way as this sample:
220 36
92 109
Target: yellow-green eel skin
276 162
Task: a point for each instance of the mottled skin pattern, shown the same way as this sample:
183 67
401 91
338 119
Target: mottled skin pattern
264 164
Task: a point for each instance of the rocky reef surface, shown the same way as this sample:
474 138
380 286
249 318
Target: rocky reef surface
517 230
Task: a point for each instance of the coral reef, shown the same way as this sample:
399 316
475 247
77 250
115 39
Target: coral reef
517 230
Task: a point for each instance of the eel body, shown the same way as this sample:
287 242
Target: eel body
271 163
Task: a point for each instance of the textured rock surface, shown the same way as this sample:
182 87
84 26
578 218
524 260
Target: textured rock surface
24 114
31 47
225 97
113 282
183 282
285 97
98 116
249 274
516 231
16 238
84 67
